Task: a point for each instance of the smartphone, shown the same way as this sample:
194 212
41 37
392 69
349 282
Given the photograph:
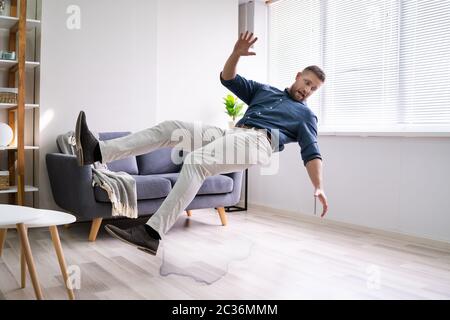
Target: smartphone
315 205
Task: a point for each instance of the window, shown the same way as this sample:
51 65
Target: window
425 62
387 61
294 44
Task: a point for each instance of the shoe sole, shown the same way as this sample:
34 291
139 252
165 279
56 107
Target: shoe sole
79 148
146 250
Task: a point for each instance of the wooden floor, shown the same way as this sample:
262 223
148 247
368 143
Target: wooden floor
255 257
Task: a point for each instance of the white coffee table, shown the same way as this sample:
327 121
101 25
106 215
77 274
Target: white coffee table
23 218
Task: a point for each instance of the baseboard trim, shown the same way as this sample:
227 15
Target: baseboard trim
258 209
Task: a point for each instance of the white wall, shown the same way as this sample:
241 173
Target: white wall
390 183
107 68
253 18
194 40
132 64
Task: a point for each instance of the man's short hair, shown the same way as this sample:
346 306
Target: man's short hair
317 71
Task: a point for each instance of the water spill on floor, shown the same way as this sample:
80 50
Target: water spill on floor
202 251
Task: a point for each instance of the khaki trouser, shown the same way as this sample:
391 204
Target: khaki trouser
212 151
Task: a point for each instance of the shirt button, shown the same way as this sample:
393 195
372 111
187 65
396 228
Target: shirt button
271 107
259 112
281 99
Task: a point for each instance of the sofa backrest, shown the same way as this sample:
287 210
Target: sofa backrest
159 161
128 165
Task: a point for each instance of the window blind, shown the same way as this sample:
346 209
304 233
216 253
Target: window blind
425 62
294 42
387 61
361 60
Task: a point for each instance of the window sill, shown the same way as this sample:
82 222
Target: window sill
408 133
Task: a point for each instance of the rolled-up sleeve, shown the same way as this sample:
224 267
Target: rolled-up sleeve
307 139
244 89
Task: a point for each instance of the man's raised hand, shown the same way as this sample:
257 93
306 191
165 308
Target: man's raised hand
242 47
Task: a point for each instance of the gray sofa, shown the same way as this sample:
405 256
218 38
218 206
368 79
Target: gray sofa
155 175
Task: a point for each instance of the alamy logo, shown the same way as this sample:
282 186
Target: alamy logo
74 277
74 19
374 21
374 277
210 147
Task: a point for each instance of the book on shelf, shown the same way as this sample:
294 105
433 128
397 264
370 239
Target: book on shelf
8 95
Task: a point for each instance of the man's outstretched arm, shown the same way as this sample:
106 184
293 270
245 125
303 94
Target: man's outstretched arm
241 48
314 168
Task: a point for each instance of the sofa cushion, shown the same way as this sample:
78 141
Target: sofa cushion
148 187
158 161
212 185
128 165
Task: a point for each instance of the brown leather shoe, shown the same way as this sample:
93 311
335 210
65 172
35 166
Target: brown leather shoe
136 236
86 142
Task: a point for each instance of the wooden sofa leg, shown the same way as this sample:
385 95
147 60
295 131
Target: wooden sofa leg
96 223
189 213
2 239
222 215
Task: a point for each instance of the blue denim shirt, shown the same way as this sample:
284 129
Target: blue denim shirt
270 108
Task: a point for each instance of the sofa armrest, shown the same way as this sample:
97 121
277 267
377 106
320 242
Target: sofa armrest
237 186
71 184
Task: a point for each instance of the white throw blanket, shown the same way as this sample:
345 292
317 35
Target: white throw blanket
120 186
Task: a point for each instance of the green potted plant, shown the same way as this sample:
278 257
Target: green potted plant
233 109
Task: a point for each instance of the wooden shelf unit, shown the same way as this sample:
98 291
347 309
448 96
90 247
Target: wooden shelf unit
11 23
10 106
13 189
18 25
